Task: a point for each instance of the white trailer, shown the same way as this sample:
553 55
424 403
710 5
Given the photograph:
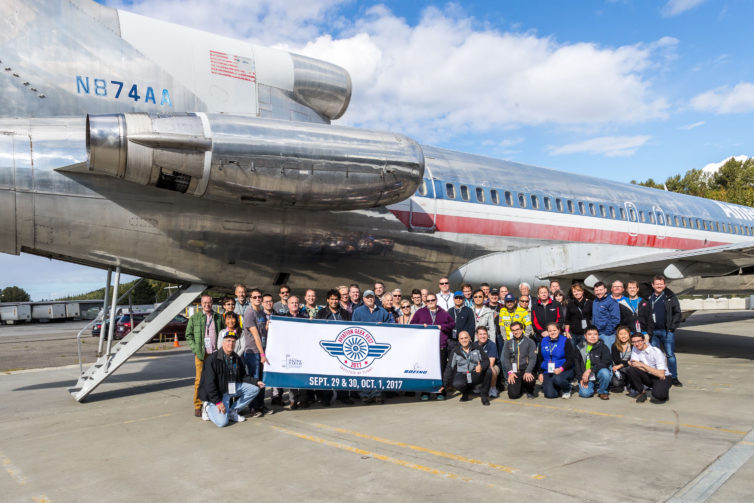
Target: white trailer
73 310
15 313
48 312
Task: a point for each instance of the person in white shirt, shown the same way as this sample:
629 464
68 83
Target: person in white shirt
445 296
648 367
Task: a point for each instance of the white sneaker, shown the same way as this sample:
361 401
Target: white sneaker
205 416
566 395
235 416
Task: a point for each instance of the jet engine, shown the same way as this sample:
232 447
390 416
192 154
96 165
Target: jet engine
258 161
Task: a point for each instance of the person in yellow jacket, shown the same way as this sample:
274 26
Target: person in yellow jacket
512 312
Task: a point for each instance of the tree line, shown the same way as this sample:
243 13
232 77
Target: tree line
732 183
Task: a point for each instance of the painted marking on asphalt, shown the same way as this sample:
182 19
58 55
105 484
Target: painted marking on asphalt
442 454
14 472
381 457
595 413
710 480
41 499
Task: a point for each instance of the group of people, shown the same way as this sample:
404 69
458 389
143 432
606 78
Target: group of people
490 340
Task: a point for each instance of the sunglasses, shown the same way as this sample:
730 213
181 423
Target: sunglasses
478 296
524 301
431 300
285 292
405 307
256 296
444 282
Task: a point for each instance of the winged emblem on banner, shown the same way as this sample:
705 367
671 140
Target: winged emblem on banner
357 350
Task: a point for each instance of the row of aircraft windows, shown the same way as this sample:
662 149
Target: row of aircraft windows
594 209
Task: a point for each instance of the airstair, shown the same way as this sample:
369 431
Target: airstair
116 355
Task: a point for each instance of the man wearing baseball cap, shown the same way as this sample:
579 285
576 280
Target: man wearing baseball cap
222 379
510 313
463 317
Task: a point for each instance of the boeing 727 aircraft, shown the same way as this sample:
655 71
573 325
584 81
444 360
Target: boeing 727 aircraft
176 154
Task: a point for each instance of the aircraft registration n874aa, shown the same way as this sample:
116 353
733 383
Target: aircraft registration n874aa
187 156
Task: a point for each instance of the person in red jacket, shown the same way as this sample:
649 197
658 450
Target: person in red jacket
544 311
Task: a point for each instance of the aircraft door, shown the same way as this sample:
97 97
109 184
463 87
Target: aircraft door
632 216
661 223
423 205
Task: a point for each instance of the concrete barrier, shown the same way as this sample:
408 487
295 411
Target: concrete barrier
716 304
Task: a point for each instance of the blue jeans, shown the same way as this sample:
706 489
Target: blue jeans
609 340
553 385
245 393
603 383
666 341
253 365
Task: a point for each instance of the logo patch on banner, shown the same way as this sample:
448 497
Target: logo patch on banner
355 348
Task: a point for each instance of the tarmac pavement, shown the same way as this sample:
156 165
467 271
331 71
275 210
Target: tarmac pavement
136 439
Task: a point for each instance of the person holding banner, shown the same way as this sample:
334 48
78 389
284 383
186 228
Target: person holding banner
222 379
371 312
468 366
294 311
431 314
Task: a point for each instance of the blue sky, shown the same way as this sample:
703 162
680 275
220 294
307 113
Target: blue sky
618 89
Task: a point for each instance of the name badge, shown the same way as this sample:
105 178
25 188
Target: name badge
551 367
468 377
583 324
232 388
654 318
514 367
207 342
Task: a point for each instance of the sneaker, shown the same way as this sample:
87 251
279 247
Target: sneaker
265 411
530 396
440 397
205 416
256 413
566 395
425 397
198 411
604 396
464 398
676 382
641 398
236 417
632 393
494 393
485 401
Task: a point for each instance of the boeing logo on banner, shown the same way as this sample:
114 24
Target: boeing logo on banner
355 348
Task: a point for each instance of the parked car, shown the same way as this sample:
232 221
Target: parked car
97 328
176 326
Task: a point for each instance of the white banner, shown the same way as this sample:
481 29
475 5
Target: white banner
320 354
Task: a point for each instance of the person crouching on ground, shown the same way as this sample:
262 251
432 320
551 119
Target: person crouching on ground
467 367
222 379
648 367
593 362
557 357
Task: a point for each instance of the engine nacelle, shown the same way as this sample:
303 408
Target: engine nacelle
258 161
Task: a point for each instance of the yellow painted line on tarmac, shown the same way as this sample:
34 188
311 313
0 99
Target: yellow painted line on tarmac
606 414
41 499
746 443
375 455
434 452
12 470
146 418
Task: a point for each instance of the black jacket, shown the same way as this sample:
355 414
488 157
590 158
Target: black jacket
600 356
615 354
325 312
216 375
577 311
672 312
643 316
464 319
542 315
457 361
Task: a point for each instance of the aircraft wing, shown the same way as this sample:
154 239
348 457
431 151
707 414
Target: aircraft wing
713 261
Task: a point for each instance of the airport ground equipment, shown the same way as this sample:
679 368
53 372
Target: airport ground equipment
15 312
48 312
116 355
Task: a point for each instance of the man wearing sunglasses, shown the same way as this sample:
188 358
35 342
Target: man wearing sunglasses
251 346
445 296
281 306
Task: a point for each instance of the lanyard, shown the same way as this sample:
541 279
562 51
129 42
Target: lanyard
468 359
552 347
335 315
434 315
518 355
476 314
655 298
233 369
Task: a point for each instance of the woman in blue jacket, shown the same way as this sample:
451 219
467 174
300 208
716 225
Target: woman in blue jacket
557 361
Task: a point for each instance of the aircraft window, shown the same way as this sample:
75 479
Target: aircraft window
465 193
622 213
716 226
522 200
677 222
450 190
534 201
582 210
508 198
642 217
697 224
683 219
632 214
612 213
494 197
651 218
592 210
602 210
480 194
735 229
570 206
423 188
548 204
559 205
660 219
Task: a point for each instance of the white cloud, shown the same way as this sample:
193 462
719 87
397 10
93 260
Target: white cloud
724 100
609 146
446 76
689 127
675 7
713 167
